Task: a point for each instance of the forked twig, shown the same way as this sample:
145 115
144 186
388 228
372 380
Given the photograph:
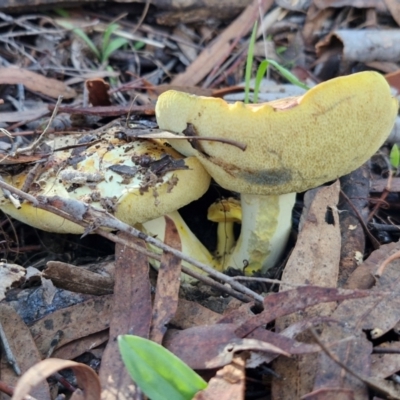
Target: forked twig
93 220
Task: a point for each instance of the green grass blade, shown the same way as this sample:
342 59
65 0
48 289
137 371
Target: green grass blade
282 70
80 33
106 37
395 156
262 69
115 44
159 373
249 63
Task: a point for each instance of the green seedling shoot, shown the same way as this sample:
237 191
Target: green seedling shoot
395 156
108 45
262 69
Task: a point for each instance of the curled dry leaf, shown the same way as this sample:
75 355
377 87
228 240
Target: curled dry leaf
87 379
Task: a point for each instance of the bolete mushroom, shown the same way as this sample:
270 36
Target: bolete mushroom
226 212
138 181
293 145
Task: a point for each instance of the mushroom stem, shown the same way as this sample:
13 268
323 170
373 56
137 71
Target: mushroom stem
189 243
266 225
225 239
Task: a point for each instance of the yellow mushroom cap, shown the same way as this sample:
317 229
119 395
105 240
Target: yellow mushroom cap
293 144
112 175
225 210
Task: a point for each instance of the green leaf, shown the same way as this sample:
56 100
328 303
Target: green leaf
282 70
106 37
159 373
249 63
395 156
115 44
61 12
79 32
139 45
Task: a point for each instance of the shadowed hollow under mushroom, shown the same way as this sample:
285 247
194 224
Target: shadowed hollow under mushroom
293 145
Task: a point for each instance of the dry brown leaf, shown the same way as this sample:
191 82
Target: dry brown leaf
314 261
35 82
76 348
385 365
354 352
363 276
98 92
131 314
229 382
378 311
190 313
23 348
74 322
355 187
381 311
208 347
87 379
168 283
283 303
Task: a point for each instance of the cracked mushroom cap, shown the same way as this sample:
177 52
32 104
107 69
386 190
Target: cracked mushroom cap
136 181
293 144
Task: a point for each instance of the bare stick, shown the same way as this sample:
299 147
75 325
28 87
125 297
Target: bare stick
36 143
92 219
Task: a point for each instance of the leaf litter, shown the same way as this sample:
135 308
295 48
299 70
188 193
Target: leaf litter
326 333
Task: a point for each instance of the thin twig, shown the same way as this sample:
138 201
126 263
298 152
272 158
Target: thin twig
92 219
203 278
266 280
36 143
385 263
173 136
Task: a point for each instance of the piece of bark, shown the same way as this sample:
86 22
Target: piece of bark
77 279
363 45
314 261
220 48
24 350
131 314
355 187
